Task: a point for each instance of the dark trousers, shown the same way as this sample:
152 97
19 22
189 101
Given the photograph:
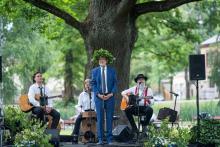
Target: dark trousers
77 125
145 111
40 114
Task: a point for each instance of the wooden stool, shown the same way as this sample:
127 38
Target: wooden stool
50 118
88 126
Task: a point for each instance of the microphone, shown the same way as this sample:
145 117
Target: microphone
174 93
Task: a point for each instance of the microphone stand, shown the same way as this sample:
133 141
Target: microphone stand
44 102
90 115
176 95
137 103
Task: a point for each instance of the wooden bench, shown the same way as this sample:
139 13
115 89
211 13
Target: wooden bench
69 122
214 117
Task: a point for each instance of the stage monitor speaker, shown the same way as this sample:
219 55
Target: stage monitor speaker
55 136
197 67
122 133
0 69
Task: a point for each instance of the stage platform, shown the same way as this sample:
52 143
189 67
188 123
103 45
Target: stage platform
115 144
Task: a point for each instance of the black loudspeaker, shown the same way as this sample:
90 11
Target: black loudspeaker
122 133
0 69
197 67
55 137
167 113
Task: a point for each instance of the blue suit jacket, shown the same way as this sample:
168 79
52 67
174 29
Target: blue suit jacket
96 80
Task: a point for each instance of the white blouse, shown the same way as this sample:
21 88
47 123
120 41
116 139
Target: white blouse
84 102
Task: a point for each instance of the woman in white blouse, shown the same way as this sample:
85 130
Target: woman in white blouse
85 103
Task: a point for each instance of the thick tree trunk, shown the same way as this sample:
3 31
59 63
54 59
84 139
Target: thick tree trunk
68 76
187 84
118 37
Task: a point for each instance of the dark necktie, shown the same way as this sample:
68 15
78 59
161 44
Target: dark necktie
103 80
41 91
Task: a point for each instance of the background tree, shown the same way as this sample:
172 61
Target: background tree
111 25
215 72
48 28
26 52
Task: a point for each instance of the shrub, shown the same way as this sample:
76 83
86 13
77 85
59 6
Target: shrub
22 130
209 132
166 135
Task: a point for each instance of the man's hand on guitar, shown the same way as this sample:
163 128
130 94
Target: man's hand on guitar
37 97
126 97
48 109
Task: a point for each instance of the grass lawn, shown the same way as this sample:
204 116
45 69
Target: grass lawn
187 108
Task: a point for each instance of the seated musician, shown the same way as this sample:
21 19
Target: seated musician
142 93
36 92
85 103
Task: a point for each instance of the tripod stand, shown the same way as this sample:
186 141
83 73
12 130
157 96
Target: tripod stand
176 95
197 105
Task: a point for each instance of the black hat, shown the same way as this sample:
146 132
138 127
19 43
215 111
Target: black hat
140 76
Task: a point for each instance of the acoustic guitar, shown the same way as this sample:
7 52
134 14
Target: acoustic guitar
133 100
25 104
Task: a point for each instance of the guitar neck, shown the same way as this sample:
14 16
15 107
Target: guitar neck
51 97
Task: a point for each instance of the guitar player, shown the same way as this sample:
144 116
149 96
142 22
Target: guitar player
141 91
36 91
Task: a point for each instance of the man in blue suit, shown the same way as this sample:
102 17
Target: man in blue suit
104 86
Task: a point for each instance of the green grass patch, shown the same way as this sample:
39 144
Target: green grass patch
66 111
188 108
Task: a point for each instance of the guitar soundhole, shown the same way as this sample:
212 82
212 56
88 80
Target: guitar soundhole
89 125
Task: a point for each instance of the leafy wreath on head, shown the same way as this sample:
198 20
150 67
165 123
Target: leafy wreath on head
103 53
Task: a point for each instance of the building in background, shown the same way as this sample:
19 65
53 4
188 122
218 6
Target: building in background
207 89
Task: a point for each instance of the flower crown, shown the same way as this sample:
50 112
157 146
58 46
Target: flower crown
103 53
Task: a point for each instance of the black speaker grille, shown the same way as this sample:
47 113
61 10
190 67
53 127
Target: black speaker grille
122 133
197 67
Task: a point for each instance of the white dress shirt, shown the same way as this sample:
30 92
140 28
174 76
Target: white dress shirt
132 90
84 102
33 90
105 71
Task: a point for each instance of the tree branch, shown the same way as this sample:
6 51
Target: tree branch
70 20
125 6
159 6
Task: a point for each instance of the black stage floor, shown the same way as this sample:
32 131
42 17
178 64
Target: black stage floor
114 144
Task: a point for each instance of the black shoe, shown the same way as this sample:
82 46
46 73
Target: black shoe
75 139
100 143
75 142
